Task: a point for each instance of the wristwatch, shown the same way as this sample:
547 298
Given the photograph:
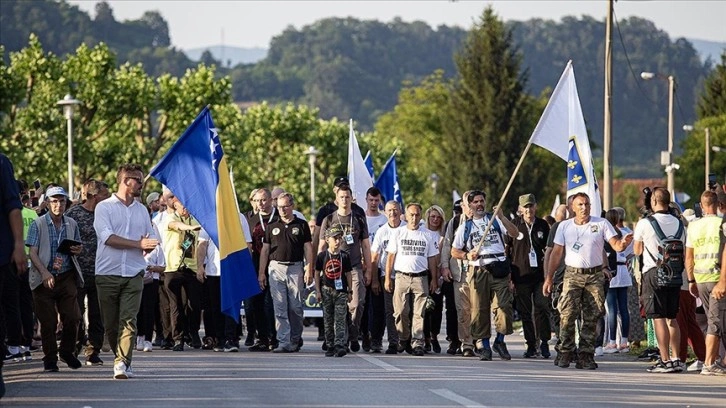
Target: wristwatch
691 281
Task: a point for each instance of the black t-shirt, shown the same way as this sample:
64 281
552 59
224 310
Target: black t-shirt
518 250
258 224
353 224
330 208
332 267
287 241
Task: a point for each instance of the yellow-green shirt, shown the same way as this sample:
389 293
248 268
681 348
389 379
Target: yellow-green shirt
28 217
173 239
705 236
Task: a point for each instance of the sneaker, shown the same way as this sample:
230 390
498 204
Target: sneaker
544 350
330 352
599 352
427 346
677 365
468 353
405 346
695 366
392 348
196 341
259 346
167 345
15 353
119 371
501 349
649 354
129 372
661 367
50 366
179 346
354 346
553 341
453 347
71 360
530 353
283 350
230 347
610 349
485 355
27 356
340 351
324 346
624 348
376 346
366 343
418 351
148 347
435 346
713 369
140 343
250 340
94 360
299 345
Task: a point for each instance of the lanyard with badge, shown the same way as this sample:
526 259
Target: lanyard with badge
338 273
348 237
532 254
58 260
262 220
577 245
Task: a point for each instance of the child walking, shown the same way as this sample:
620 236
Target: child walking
332 283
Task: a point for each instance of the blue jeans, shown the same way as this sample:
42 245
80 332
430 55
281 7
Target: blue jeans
617 301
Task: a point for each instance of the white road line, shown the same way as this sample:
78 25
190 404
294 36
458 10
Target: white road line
450 395
379 363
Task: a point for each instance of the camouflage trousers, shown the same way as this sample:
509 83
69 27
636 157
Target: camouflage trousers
583 295
335 312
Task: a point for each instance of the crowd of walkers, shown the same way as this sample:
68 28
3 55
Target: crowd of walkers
109 271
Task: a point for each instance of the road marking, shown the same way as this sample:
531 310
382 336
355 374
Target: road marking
452 396
379 363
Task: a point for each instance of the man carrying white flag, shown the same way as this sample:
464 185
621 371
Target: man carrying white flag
561 130
358 175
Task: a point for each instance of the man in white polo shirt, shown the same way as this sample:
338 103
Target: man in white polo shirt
123 228
412 254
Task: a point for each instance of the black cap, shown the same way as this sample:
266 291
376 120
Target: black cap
339 181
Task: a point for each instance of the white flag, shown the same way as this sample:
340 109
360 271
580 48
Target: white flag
555 205
358 175
561 130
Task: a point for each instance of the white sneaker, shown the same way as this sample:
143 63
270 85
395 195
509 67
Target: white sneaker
624 348
553 341
139 343
148 347
599 352
695 366
610 349
120 371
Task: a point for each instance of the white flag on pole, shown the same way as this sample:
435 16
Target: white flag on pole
358 175
561 130
555 205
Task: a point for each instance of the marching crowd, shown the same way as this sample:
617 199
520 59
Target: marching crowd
148 277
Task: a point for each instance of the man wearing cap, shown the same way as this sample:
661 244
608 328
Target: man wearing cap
153 203
123 229
96 191
54 278
288 247
528 275
356 242
412 252
488 274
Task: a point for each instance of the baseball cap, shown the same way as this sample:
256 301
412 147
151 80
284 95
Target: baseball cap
527 199
56 191
333 232
339 181
152 197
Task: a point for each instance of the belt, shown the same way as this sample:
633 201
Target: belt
622 263
490 256
413 274
583 270
287 263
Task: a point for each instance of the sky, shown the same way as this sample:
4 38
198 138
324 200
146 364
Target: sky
195 24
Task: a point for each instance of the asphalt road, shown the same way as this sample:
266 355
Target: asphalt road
196 378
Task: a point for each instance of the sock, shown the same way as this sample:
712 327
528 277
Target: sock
499 338
624 341
485 344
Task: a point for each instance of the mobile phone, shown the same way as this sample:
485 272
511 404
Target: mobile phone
36 184
697 210
34 201
712 183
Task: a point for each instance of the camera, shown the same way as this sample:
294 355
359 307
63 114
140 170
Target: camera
712 183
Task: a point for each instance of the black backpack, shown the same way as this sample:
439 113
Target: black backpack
671 260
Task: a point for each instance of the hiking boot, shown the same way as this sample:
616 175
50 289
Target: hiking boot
418 351
405 346
530 353
485 355
662 367
544 350
501 349
392 348
564 359
330 352
586 360
340 351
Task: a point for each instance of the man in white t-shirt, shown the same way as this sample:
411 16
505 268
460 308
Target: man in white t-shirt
412 254
381 300
375 219
581 240
488 274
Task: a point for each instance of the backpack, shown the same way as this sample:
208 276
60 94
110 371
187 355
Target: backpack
470 222
671 256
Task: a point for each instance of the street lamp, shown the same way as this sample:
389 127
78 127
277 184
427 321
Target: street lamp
707 151
670 168
312 156
69 106
434 183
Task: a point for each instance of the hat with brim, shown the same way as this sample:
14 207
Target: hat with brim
527 199
152 197
333 232
56 191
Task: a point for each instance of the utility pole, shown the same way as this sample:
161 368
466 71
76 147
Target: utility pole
607 201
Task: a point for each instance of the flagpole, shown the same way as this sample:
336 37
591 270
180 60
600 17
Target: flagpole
504 195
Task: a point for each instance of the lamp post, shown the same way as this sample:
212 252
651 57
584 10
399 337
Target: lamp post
670 167
312 156
69 106
434 183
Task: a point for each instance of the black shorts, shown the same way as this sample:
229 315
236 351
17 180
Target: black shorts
659 303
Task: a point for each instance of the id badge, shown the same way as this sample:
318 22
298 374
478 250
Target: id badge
349 239
532 259
57 263
576 246
338 284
